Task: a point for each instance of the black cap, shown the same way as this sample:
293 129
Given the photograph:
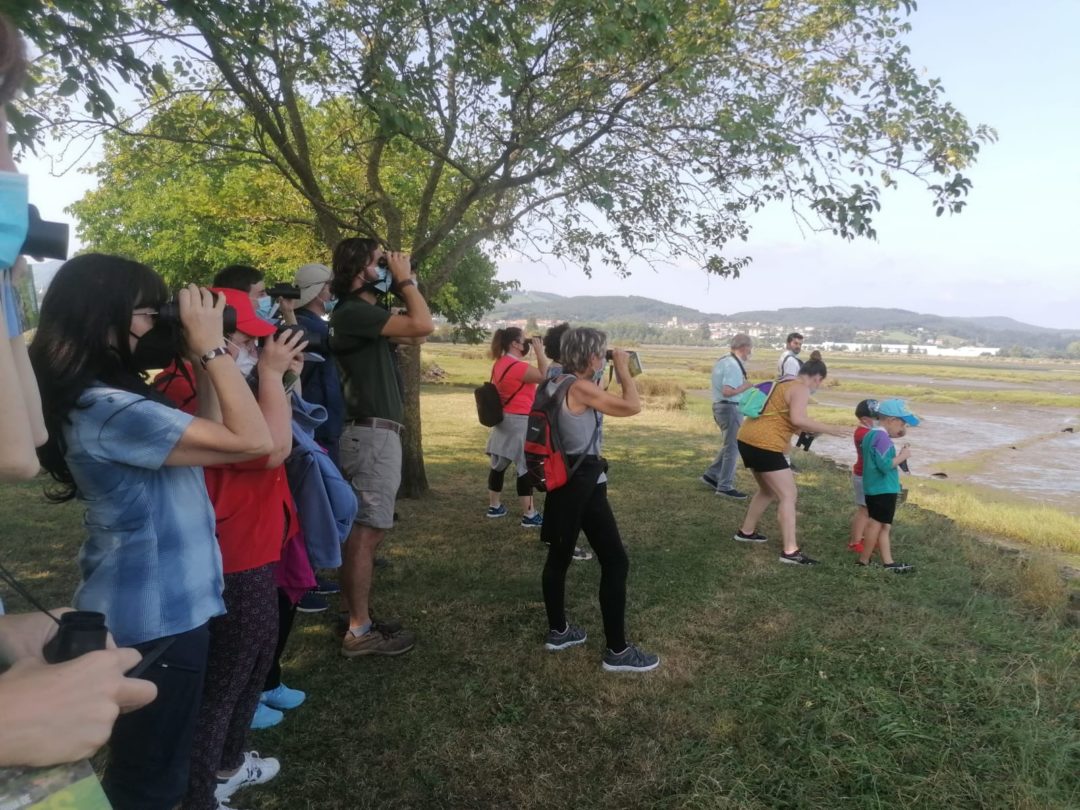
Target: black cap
868 407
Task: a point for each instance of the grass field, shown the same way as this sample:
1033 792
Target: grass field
779 687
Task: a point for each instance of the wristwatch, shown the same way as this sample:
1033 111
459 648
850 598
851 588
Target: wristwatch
220 351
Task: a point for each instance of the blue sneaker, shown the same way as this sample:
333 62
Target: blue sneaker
631 659
265 717
326 587
570 637
534 522
496 511
282 697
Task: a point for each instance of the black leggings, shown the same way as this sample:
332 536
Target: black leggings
286 614
495 482
582 504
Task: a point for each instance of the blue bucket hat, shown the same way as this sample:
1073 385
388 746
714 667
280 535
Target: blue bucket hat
899 409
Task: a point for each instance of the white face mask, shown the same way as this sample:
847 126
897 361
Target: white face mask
246 358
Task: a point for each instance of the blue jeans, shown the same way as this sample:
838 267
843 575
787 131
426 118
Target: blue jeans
722 470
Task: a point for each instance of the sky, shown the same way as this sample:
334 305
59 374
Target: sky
1011 65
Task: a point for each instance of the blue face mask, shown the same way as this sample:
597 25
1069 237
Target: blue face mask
329 305
14 196
265 307
383 280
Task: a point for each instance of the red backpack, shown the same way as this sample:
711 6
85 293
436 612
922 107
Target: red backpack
545 458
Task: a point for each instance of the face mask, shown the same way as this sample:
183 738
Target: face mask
329 305
246 358
265 308
383 280
14 196
157 347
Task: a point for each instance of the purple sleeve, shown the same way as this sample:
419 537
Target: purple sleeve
881 445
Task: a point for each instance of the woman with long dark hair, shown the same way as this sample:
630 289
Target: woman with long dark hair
582 504
516 382
150 561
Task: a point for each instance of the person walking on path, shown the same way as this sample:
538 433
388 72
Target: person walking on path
729 382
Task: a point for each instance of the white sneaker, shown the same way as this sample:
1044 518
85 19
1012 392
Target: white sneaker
254 771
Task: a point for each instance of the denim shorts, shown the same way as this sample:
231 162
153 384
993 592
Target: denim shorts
856 484
371 463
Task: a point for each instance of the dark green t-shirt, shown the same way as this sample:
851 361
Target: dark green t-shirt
365 360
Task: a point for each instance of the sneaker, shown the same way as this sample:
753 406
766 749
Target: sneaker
384 625
326 587
753 537
265 717
311 602
862 564
709 482
255 771
570 637
899 567
497 511
733 493
856 547
630 660
377 641
581 554
282 697
797 558
533 522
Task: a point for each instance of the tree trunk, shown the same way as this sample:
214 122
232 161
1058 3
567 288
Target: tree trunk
414 482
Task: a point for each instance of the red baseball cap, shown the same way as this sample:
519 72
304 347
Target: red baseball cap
246 320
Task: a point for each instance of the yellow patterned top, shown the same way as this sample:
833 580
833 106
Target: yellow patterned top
773 429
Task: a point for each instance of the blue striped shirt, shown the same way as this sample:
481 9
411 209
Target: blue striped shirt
150 561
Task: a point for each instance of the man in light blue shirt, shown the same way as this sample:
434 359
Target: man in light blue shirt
729 381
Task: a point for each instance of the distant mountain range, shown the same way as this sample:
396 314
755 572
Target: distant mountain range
991 331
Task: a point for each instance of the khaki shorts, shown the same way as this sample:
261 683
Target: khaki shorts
371 462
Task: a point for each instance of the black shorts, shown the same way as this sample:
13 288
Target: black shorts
758 460
882 508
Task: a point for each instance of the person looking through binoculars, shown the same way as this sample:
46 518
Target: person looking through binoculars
516 382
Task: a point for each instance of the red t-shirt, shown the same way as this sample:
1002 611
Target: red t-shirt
860 433
253 506
510 387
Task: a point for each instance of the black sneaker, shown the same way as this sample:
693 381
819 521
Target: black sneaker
311 602
709 482
797 558
570 637
862 564
326 587
630 660
753 537
899 567
733 493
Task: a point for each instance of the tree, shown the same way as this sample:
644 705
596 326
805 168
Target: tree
1073 349
600 131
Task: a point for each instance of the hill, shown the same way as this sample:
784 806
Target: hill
987 330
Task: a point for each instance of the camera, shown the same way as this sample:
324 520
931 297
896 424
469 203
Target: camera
634 362
805 440
287 291
169 313
44 239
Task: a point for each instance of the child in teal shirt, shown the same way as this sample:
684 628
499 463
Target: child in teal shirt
881 480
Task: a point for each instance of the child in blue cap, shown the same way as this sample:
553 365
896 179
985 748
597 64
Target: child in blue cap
881 479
